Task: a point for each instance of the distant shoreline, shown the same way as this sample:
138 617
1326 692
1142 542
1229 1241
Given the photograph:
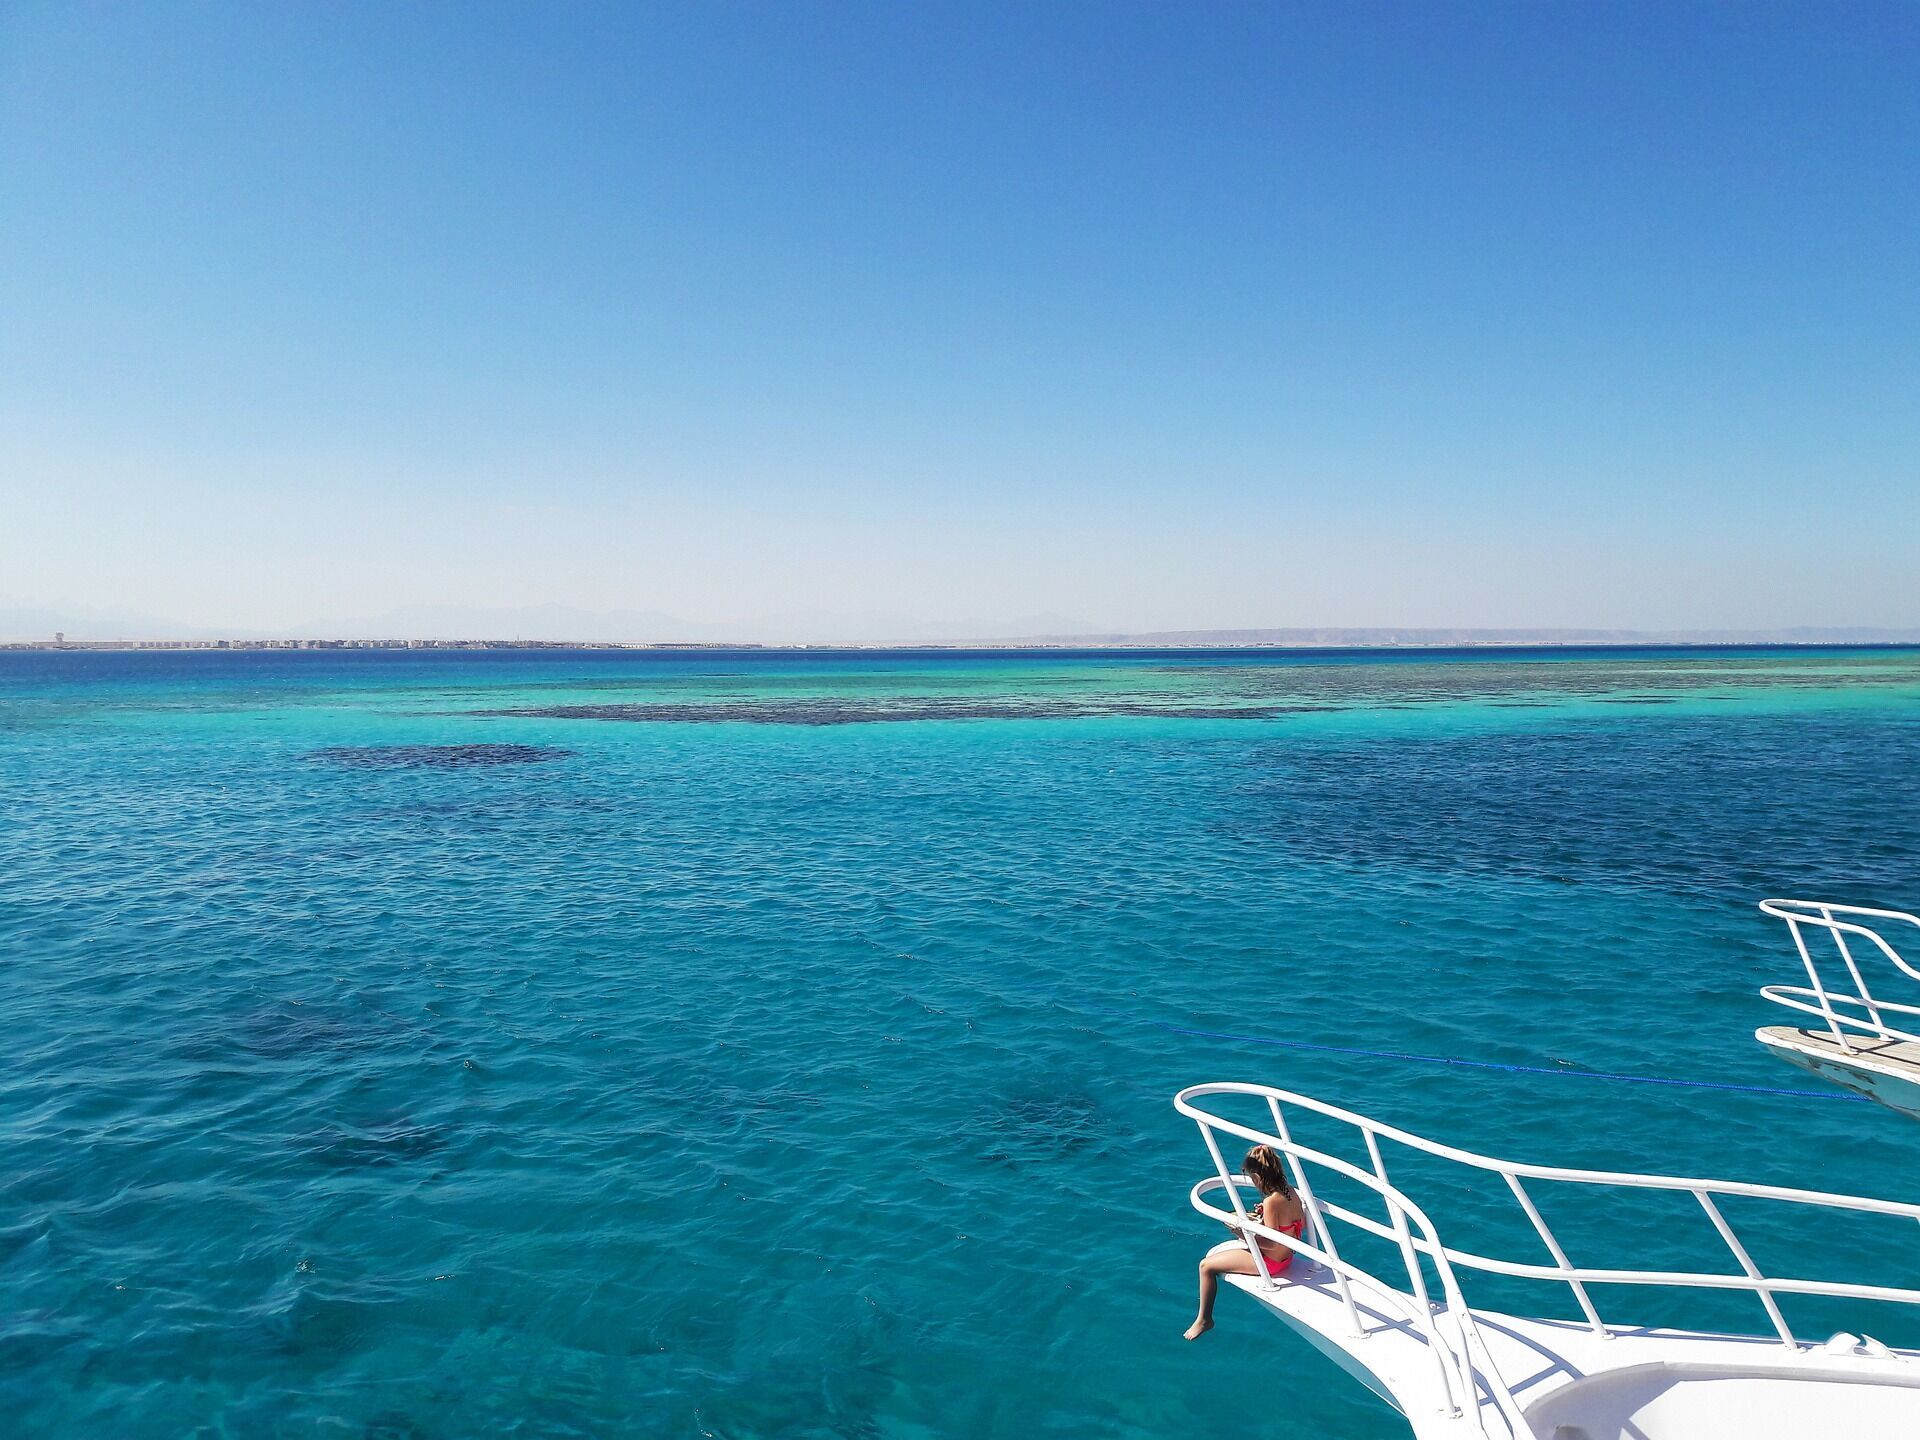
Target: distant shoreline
1321 641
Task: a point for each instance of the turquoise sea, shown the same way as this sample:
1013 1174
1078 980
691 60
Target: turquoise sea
753 1044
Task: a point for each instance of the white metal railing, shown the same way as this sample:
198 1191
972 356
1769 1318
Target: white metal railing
1862 1014
1463 1364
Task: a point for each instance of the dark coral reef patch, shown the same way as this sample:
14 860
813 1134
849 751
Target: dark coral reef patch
436 757
841 712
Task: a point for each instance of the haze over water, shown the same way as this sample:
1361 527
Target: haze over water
762 1044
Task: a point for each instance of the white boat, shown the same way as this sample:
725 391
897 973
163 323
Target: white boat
1861 1042
1461 1372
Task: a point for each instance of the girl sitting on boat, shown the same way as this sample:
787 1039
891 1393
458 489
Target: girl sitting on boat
1279 1210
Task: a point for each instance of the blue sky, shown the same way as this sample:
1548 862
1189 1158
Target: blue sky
846 319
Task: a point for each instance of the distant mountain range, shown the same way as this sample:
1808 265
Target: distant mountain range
1435 636
33 623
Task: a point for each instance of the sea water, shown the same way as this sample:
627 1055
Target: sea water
769 1044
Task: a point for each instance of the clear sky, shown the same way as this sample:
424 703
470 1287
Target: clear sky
865 318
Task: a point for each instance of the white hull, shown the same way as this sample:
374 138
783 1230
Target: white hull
1885 1071
1459 1372
1572 1384
1860 1042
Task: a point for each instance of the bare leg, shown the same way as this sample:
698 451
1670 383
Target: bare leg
1229 1259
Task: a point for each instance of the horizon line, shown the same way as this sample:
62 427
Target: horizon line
1275 638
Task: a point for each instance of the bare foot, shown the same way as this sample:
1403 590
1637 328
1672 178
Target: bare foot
1198 1328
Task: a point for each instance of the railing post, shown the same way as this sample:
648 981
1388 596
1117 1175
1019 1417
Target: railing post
1746 1264
1559 1255
1322 1232
1233 1194
1417 1275
1859 984
1819 989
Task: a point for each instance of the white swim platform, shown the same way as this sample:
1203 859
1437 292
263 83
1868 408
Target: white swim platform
1867 1040
1458 1372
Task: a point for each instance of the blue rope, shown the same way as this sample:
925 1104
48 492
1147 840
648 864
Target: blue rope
1840 1095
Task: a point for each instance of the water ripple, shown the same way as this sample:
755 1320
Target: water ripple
784 1078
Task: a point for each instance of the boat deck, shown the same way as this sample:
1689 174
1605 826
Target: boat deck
1577 1385
1880 1067
1457 1371
1898 1057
